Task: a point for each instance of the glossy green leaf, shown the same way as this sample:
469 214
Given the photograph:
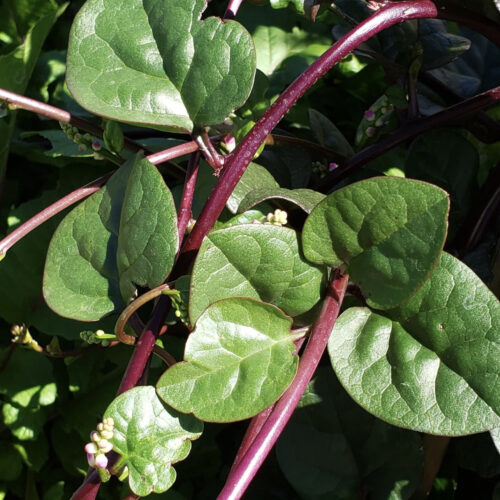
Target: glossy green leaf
122 236
148 237
155 62
431 364
389 232
255 177
257 261
306 199
347 449
238 361
150 437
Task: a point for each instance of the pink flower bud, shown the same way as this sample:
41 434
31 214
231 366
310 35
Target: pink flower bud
370 131
332 166
369 115
101 461
91 448
91 459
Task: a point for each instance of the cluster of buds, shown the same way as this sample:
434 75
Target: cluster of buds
376 117
180 308
276 218
22 335
99 444
98 337
84 141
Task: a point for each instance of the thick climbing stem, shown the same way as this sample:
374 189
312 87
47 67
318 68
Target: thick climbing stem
249 465
390 14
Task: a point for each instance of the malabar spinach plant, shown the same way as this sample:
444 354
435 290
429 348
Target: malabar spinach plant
264 183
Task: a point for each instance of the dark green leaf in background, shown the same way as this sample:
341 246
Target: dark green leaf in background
328 135
122 236
28 381
347 449
257 261
238 361
431 364
449 160
388 231
155 62
150 437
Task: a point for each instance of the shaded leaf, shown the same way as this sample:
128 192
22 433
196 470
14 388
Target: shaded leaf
139 416
347 448
449 160
257 261
238 360
22 268
27 380
155 62
411 366
328 135
389 232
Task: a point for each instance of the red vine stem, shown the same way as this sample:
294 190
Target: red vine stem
49 212
185 213
173 152
390 14
256 425
249 465
232 9
478 23
81 193
409 131
61 115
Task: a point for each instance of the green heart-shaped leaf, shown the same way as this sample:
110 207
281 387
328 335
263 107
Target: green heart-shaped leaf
257 261
388 231
122 236
432 364
155 62
238 361
150 438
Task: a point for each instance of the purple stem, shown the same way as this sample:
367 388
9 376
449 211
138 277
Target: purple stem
409 131
392 13
49 111
475 21
232 9
80 194
50 211
174 152
249 465
188 194
256 425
